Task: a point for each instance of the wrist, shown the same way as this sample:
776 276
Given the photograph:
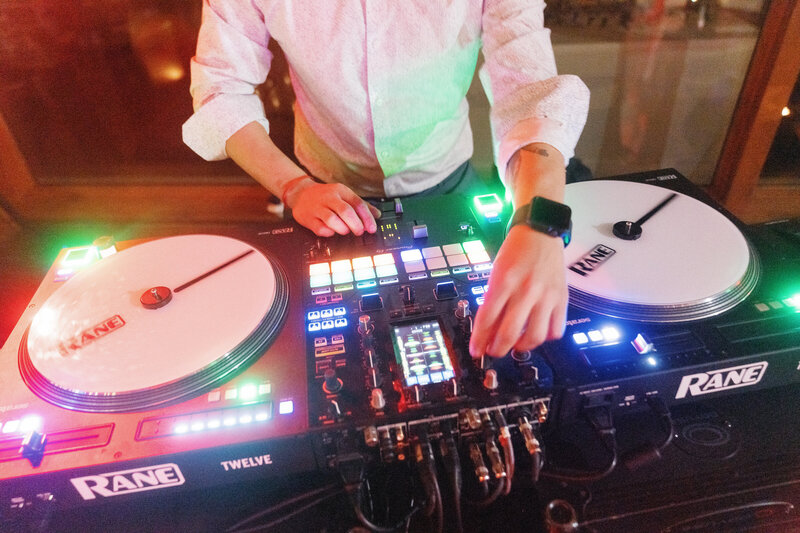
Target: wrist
293 187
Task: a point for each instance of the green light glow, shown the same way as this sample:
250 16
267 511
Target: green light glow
488 204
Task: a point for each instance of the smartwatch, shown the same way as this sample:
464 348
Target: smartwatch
545 216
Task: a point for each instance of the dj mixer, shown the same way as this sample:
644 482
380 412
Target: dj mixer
186 361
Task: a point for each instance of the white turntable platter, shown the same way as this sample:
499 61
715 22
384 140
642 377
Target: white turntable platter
690 261
93 337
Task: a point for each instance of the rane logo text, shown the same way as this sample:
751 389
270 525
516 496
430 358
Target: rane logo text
589 262
128 481
720 380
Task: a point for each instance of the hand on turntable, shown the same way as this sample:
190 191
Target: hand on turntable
328 208
526 301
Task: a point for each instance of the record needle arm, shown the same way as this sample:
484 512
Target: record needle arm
630 231
157 297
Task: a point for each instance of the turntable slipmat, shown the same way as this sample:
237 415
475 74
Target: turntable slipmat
93 346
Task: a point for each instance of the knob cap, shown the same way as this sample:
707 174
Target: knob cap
365 325
377 401
331 383
490 379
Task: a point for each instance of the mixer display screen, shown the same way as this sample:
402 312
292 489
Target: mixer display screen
422 353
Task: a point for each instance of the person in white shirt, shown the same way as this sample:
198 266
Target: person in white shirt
381 111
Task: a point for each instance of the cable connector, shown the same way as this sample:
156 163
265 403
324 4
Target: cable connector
350 466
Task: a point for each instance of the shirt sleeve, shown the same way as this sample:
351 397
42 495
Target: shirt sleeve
529 101
232 59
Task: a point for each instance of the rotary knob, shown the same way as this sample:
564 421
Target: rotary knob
331 383
377 401
490 380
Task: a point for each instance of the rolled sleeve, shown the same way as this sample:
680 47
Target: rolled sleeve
530 101
232 59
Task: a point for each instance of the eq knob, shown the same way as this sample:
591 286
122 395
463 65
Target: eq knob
365 325
331 383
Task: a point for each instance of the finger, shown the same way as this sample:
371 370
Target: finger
349 216
488 314
376 213
558 321
332 220
536 329
367 218
518 313
319 229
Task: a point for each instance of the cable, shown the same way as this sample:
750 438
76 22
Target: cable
651 452
452 465
427 472
603 423
508 448
333 488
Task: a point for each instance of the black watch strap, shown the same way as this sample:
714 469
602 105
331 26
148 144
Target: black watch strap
561 228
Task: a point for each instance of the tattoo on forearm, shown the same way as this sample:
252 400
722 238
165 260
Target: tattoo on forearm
540 151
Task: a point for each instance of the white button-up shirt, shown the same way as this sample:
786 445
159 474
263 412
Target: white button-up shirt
381 85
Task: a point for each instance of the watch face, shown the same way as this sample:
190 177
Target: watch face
552 217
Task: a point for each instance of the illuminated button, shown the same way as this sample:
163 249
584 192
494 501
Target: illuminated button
367 284
362 262
440 273
417 275
340 322
385 271
471 276
248 392
339 311
435 263
80 257
415 266
321 290
286 407
314 326
383 259
327 324
313 315
652 361
336 298
473 246
641 344
478 290
610 334
364 273
326 313
30 423
411 255
762 307
264 388
337 339
229 421
462 270
181 428
388 281
580 338
452 249
457 260
479 300
262 416
318 269
483 267
245 419
321 300
320 281
214 423
343 287
595 336
433 251
479 256
231 394
342 265
344 276
775 305
198 426
214 396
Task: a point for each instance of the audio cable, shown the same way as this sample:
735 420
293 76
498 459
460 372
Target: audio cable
452 466
508 448
652 452
423 455
602 422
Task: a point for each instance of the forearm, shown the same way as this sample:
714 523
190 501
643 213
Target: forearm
253 150
536 170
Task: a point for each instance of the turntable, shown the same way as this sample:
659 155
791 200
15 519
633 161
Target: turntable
670 296
172 363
